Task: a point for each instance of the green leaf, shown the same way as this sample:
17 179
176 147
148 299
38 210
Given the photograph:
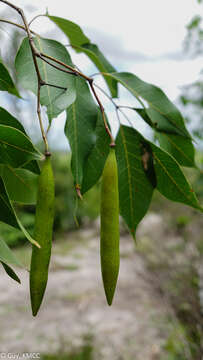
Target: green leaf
96 159
179 147
7 256
80 128
16 148
171 182
32 166
7 119
56 100
144 116
8 215
81 43
10 272
20 184
71 30
102 64
135 189
155 97
161 123
6 82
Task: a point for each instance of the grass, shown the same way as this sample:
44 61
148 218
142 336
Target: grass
83 353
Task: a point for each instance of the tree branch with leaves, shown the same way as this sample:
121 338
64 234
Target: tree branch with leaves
131 167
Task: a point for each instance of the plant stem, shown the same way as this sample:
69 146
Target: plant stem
73 71
117 107
34 56
112 144
53 85
57 67
34 18
40 120
17 25
43 56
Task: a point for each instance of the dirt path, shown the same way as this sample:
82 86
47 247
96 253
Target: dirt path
75 306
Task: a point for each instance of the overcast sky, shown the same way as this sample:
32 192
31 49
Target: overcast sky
141 36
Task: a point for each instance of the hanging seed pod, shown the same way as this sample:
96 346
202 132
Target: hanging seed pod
109 234
43 234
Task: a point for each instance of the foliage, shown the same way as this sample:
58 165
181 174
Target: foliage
67 215
44 66
85 354
192 94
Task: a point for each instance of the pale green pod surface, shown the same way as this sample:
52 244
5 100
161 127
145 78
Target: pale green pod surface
109 233
43 234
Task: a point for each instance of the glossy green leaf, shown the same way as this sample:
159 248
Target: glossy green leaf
8 215
74 33
7 256
179 147
56 100
20 184
6 82
135 189
171 182
161 123
102 64
81 43
144 116
7 119
155 97
96 159
16 148
32 166
10 272
80 128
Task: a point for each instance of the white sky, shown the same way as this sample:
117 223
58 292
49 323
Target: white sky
150 27
141 36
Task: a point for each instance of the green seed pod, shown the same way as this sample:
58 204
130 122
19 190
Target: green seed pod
109 233
43 234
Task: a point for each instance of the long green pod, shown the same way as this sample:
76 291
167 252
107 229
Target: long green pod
109 233
43 234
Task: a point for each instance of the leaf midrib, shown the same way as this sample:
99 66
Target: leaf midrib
172 179
151 104
129 173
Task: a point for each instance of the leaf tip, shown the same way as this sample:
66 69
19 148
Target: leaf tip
132 231
36 244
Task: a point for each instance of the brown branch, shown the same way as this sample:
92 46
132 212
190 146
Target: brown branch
57 67
43 83
73 71
112 144
90 81
34 56
42 55
18 25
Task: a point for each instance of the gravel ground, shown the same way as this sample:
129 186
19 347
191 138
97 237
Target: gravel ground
133 328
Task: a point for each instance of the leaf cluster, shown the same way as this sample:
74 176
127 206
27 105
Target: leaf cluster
143 165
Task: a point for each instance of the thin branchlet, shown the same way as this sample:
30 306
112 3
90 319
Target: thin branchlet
34 56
